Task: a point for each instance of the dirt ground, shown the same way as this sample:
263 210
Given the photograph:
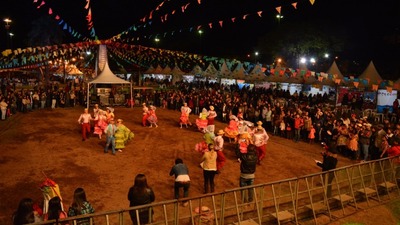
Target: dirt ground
49 142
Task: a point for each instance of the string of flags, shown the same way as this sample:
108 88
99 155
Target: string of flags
65 26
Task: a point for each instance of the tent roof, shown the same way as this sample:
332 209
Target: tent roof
196 70
108 77
371 74
239 73
224 71
167 70
177 71
149 70
211 71
334 69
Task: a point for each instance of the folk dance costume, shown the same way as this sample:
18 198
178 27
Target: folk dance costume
145 114
152 118
110 132
209 137
232 130
210 118
184 119
122 135
84 120
109 114
100 123
202 121
219 146
260 139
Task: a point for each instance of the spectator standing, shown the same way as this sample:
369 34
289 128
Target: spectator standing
141 194
182 179
329 162
248 164
209 165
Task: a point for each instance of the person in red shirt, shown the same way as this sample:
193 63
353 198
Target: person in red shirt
298 124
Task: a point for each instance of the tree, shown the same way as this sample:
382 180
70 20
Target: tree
44 32
293 40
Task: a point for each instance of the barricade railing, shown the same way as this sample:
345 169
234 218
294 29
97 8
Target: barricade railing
316 198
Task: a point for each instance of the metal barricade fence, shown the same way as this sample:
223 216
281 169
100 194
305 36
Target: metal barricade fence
313 199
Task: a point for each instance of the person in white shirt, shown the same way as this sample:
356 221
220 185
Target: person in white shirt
260 139
219 146
84 120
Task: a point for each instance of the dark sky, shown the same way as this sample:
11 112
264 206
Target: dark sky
366 24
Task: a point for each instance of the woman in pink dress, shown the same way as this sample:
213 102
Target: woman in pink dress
184 119
311 134
152 118
101 123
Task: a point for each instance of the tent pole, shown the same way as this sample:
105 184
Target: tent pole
87 99
131 100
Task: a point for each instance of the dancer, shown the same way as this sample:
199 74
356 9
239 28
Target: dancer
122 135
184 119
202 121
210 117
219 147
84 120
100 123
232 130
145 110
260 139
152 118
110 132
109 114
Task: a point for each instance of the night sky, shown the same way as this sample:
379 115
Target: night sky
371 27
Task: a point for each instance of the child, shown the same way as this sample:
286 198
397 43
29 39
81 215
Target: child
311 134
289 131
282 127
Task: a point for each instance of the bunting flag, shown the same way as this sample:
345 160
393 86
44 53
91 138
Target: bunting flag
278 9
389 89
151 14
320 78
312 2
210 25
259 13
199 1
355 83
374 87
50 11
233 19
220 23
41 4
87 4
337 81
294 4
244 17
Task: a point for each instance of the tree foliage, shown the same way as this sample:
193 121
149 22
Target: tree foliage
44 32
293 40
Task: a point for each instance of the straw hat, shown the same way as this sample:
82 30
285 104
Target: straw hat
259 123
220 132
120 120
211 107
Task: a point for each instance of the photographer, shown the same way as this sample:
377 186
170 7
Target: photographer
329 162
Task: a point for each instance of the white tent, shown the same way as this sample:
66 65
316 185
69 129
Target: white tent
210 72
106 76
167 70
239 73
371 75
256 75
224 71
177 74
